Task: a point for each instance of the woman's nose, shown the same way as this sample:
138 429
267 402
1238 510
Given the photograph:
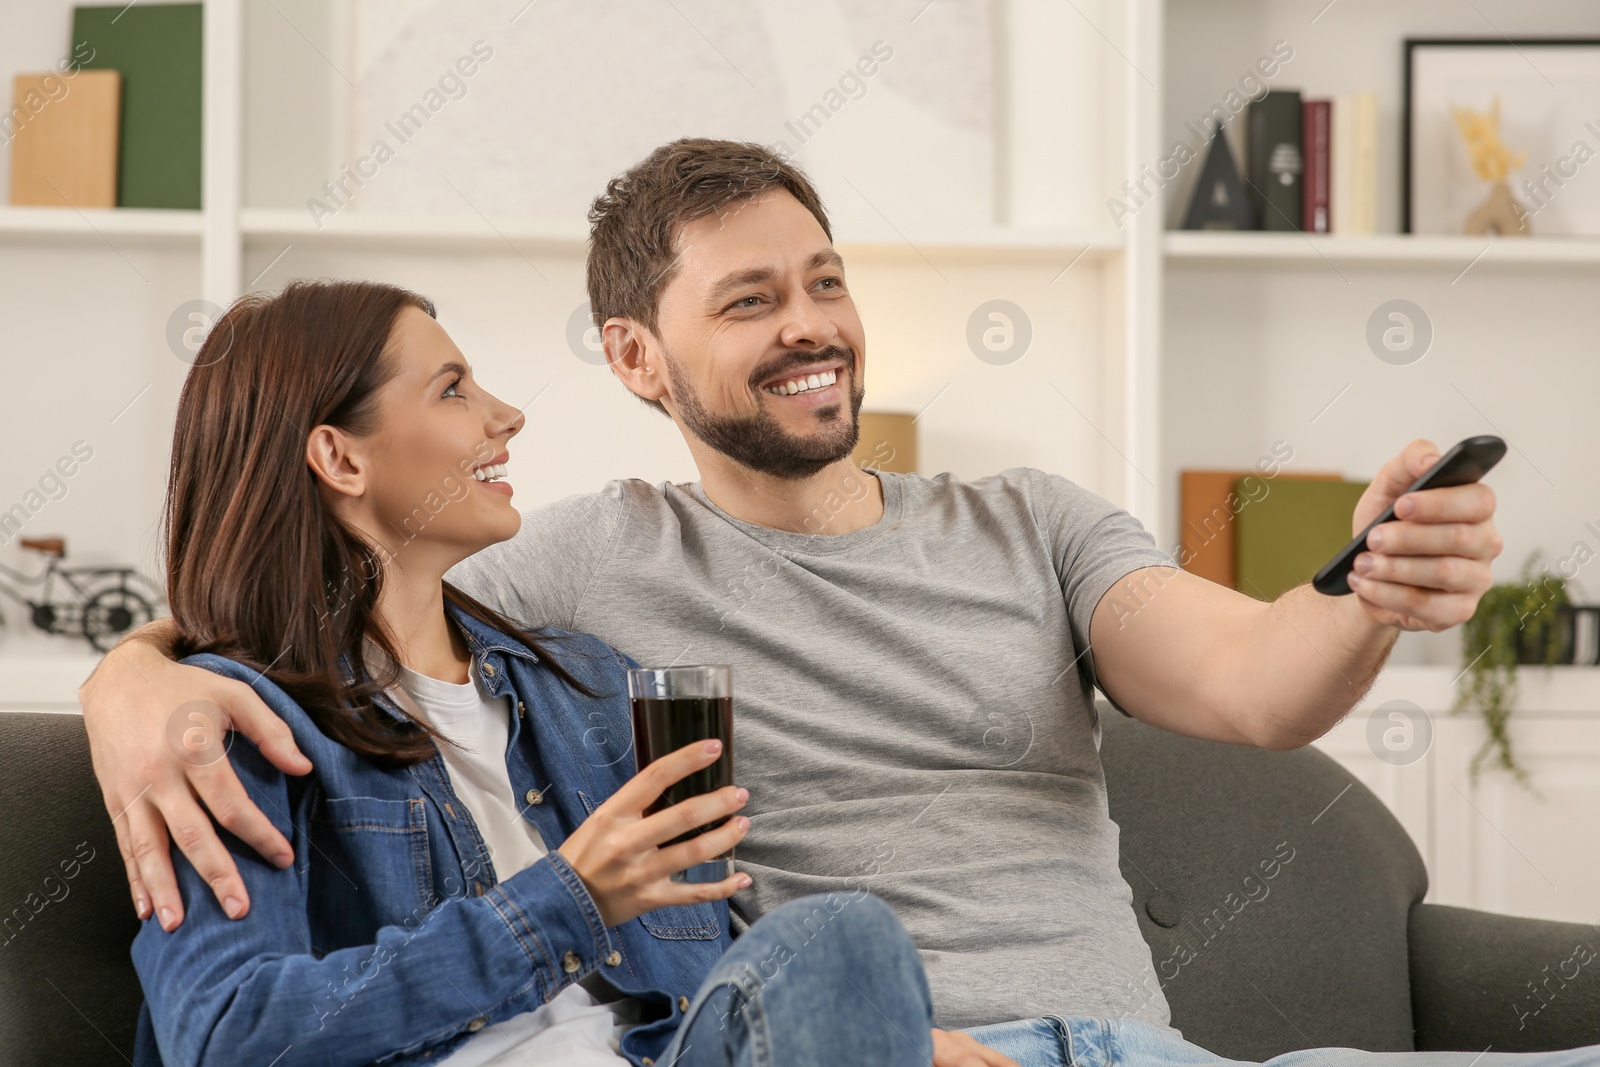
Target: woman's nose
508 421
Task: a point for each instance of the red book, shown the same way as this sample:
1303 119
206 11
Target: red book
1316 135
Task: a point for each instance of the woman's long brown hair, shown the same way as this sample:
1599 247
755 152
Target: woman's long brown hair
258 567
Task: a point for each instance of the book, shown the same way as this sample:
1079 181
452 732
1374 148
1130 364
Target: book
1284 538
1585 642
1209 506
64 153
1274 159
157 49
1366 163
1315 137
1353 186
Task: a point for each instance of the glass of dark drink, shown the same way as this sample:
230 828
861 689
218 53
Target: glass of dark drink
677 706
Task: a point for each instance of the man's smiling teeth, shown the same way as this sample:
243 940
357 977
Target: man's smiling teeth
804 384
489 472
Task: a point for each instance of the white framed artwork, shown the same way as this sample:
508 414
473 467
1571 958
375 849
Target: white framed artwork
1548 93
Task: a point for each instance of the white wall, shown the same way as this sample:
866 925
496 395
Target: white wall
585 428
514 322
72 366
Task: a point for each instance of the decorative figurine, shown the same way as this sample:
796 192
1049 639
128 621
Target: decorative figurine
1219 201
98 603
1501 213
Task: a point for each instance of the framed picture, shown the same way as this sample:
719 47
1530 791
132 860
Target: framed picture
1549 108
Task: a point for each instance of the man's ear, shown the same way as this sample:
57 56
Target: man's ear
336 461
628 347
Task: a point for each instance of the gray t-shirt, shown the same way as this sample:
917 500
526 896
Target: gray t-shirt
912 712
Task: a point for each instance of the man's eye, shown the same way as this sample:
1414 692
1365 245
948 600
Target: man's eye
831 283
746 302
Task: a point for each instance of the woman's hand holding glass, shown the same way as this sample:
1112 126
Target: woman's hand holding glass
618 854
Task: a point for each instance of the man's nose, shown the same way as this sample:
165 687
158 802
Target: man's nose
806 325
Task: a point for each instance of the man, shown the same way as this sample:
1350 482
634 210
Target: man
912 656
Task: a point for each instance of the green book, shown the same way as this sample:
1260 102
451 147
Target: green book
1284 537
157 49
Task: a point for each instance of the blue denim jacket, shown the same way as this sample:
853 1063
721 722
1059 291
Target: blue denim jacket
391 939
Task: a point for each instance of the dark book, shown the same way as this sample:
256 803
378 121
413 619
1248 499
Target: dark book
156 47
1274 159
1316 133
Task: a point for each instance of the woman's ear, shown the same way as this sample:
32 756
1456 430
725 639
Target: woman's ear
627 347
337 463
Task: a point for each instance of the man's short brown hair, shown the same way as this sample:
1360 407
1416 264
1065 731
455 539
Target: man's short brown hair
633 225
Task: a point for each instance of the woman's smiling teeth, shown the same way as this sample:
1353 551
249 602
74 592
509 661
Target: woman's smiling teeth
803 384
489 472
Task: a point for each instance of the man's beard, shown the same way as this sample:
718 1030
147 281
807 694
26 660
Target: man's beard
758 441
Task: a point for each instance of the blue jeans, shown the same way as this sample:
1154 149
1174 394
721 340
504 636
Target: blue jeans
1083 1042
830 981
823 981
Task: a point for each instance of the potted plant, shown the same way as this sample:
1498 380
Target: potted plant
1521 622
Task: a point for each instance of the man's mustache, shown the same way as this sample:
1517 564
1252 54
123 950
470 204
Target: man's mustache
791 361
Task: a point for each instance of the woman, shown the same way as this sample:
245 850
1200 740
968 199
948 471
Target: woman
476 880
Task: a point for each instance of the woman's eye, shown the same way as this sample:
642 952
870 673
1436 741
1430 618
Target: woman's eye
451 389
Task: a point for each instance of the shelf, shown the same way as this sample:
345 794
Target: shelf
1561 692
1457 252
1558 692
40 673
472 232
93 223
987 243
412 232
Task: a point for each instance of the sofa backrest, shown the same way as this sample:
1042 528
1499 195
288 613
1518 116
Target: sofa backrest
68 991
1272 887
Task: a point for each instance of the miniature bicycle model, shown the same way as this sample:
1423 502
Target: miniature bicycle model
99 603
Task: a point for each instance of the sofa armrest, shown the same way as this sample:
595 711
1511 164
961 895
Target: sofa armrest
1480 980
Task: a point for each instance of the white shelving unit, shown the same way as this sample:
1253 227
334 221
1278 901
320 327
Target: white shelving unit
570 236
1494 845
1154 350
1288 249
24 223
1265 334
273 106
273 109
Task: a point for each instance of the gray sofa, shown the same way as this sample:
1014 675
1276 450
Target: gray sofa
1337 948
1274 923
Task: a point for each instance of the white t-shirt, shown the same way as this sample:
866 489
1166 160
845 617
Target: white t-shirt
573 1030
